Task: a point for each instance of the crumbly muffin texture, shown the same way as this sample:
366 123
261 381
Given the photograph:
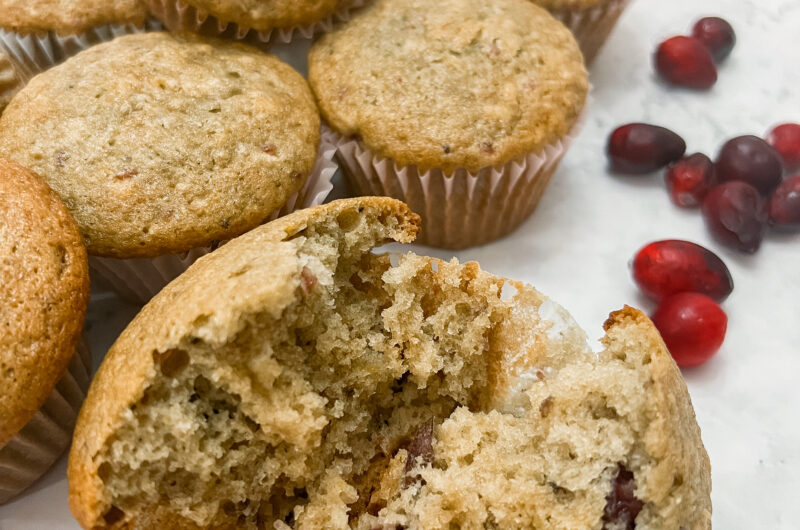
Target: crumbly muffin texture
68 17
160 143
263 15
44 290
468 84
331 388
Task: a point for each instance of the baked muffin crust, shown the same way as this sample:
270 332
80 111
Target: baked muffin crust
67 17
44 290
468 84
160 143
264 15
569 4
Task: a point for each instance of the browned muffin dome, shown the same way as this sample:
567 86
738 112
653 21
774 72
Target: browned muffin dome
161 143
44 290
68 17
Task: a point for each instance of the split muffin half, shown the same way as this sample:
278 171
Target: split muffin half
295 379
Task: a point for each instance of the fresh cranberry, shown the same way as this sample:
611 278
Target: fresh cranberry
735 214
687 62
784 205
752 160
689 179
785 138
672 266
692 325
717 35
638 148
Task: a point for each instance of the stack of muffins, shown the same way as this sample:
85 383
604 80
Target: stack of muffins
133 152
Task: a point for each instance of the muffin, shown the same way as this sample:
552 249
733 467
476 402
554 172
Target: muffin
41 33
10 79
164 145
591 21
259 22
44 365
294 379
462 108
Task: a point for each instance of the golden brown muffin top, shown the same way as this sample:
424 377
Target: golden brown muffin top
44 289
264 15
568 4
462 83
68 17
160 143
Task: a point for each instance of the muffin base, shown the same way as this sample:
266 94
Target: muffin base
37 52
592 26
176 15
463 209
37 446
139 279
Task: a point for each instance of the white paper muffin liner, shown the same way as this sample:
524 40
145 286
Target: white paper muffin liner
36 52
139 279
177 15
593 25
463 209
38 445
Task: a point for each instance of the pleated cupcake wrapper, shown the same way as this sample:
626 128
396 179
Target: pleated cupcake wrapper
178 15
38 445
591 26
36 52
463 209
139 279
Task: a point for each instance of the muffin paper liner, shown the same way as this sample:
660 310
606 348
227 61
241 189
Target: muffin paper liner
591 26
177 15
38 445
139 279
462 209
36 52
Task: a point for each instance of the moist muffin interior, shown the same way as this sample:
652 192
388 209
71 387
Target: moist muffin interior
383 398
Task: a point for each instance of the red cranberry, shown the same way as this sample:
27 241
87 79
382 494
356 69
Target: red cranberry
692 325
689 179
664 268
622 506
752 160
687 62
784 205
785 138
735 215
717 35
638 148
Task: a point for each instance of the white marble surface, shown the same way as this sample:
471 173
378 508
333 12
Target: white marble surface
577 246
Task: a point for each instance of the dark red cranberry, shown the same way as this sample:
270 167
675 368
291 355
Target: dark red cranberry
784 205
672 266
785 138
689 179
687 62
638 148
692 325
717 35
622 506
752 160
736 215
